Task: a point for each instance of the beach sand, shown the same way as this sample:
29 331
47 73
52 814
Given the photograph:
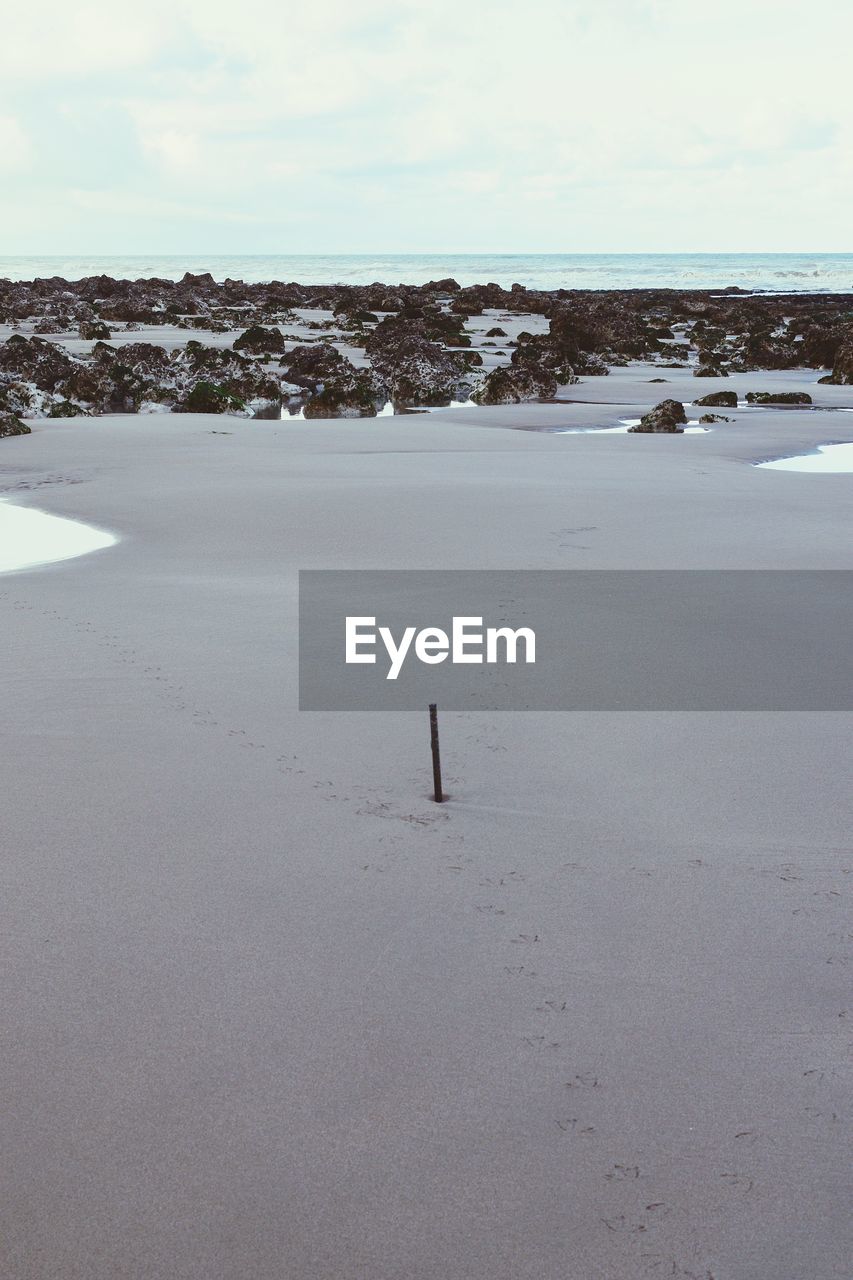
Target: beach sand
272 1013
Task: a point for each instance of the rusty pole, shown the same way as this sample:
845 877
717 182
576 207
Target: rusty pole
438 794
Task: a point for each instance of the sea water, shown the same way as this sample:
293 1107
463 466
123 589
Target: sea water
765 272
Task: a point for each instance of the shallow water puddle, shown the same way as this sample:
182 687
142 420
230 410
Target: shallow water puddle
29 538
829 458
623 429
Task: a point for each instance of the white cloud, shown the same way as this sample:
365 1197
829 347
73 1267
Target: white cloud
15 146
620 124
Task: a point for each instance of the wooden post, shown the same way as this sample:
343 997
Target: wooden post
438 794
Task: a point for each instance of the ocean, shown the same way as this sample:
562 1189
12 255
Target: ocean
766 272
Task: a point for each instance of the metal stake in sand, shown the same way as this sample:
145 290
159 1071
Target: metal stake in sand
438 794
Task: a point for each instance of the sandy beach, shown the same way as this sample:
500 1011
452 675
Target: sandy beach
273 1013
338 340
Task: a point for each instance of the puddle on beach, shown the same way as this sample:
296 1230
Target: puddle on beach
29 538
692 428
827 458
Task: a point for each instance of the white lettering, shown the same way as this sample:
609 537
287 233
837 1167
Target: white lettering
397 654
354 639
511 639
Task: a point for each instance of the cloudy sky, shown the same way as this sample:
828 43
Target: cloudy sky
288 126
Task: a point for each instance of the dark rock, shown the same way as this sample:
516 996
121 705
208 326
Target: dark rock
448 285
10 425
205 278
259 340
516 384
719 399
416 370
67 409
207 397
34 360
778 397
311 365
339 389
665 417
357 394
714 417
497 332
94 330
842 369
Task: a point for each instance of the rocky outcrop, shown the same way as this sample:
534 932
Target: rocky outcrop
416 370
778 397
94 330
10 425
260 341
34 360
666 417
515 385
565 351
842 369
356 393
209 397
414 336
337 388
39 378
243 378
718 399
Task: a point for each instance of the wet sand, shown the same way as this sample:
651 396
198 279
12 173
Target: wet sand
271 1013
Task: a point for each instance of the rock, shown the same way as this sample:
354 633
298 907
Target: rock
205 278
516 384
778 397
138 372
719 399
710 371
94 330
91 384
415 370
258 340
207 397
244 379
842 369
496 332
53 324
447 285
10 425
665 417
67 409
357 395
339 389
309 365
34 360
566 350
714 417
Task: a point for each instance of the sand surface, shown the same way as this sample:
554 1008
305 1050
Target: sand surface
270 1013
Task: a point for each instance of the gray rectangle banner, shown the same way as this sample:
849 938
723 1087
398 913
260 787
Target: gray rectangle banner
585 640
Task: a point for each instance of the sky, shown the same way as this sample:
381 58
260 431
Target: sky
425 126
